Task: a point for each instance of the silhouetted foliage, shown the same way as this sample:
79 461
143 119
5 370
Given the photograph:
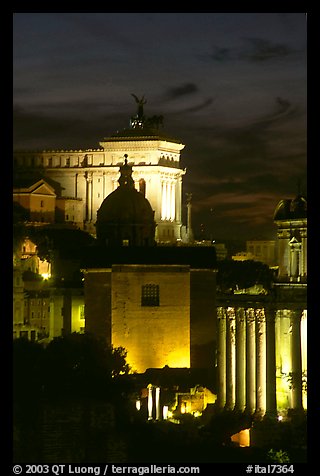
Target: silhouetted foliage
62 240
242 274
29 275
224 424
20 215
28 368
76 365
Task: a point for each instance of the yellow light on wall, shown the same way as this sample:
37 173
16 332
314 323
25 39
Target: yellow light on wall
44 269
242 438
138 405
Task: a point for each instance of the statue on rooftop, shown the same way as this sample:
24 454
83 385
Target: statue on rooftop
140 103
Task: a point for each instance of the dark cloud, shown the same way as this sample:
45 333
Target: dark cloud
183 90
254 50
198 107
265 50
240 111
39 130
221 54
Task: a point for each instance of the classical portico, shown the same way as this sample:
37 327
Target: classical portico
92 174
261 358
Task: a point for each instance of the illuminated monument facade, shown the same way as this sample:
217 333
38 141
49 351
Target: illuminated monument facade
262 341
158 302
91 175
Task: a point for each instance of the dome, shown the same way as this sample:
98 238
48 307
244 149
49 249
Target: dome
298 207
125 217
291 209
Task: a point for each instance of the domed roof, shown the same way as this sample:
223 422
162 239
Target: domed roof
125 215
124 206
291 209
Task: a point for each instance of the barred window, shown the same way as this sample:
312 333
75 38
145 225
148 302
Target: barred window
150 295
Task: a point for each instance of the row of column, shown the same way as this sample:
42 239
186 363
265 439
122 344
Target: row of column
83 188
168 201
247 360
168 197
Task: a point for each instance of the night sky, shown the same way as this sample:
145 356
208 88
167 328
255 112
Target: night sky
231 86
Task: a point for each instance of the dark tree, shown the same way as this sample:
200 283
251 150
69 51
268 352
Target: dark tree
83 365
28 369
60 240
242 274
78 364
20 216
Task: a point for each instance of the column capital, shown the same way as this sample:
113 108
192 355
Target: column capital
88 175
260 316
221 313
240 314
251 315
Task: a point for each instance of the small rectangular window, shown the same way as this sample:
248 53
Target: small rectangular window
150 295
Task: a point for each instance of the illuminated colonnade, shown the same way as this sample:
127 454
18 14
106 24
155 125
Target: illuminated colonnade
168 200
262 359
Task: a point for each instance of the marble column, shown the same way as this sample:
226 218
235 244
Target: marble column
150 402
260 362
76 185
221 354
90 196
103 185
88 179
250 361
158 413
296 365
271 395
178 199
230 360
164 200
173 202
240 359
